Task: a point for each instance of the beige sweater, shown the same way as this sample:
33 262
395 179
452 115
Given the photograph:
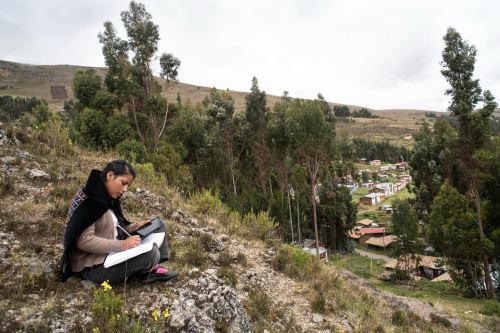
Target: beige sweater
95 243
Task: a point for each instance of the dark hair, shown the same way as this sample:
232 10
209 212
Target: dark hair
119 168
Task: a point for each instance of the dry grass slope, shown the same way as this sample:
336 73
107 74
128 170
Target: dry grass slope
36 80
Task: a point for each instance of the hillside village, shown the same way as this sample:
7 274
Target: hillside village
228 278
281 213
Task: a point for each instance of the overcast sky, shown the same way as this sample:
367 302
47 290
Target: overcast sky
381 54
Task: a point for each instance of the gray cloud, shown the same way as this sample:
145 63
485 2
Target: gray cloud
382 54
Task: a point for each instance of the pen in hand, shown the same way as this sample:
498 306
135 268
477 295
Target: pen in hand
125 231
135 240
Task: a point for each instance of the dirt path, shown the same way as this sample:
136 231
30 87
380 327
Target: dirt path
286 294
373 255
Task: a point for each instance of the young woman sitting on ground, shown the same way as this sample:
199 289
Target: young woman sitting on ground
95 227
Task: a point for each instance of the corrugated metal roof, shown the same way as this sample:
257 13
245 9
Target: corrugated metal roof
381 241
365 231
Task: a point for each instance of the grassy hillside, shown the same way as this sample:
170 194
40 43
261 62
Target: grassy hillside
234 277
36 80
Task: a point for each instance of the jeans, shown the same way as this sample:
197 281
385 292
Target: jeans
137 265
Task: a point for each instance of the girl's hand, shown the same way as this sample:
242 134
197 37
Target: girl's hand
142 223
131 242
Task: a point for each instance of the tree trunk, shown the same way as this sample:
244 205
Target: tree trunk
162 128
315 221
484 258
334 235
290 211
231 168
298 215
136 122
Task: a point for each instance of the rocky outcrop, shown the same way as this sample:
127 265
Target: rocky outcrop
207 304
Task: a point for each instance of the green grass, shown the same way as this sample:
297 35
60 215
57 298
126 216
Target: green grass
360 265
445 296
377 216
374 213
360 192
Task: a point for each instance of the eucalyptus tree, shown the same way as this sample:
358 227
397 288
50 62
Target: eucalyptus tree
312 140
257 116
473 131
130 76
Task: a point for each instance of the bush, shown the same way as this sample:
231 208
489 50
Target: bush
89 128
228 275
6 185
108 314
168 160
399 318
318 303
208 203
145 172
117 130
260 226
194 254
490 308
258 305
296 263
105 101
132 150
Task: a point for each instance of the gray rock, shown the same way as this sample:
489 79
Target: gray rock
34 296
3 251
214 257
38 266
205 303
218 245
38 174
8 159
23 154
87 285
317 318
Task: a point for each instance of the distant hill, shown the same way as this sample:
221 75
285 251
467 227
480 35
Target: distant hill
54 84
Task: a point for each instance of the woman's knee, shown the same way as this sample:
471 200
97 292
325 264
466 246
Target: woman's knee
152 257
162 228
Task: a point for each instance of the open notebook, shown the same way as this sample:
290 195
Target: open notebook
146 245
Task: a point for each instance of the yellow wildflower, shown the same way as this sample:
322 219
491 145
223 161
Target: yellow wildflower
96 330
155 314
106 286
165 313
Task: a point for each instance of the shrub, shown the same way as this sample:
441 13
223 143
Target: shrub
318 303
89 128
228 275
260 226
399 318
194 254
108 315
258 305
207 203
296 263
132 150
117 130
145 172
225 259
42 114
490 308
241 259
105 101
6 184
